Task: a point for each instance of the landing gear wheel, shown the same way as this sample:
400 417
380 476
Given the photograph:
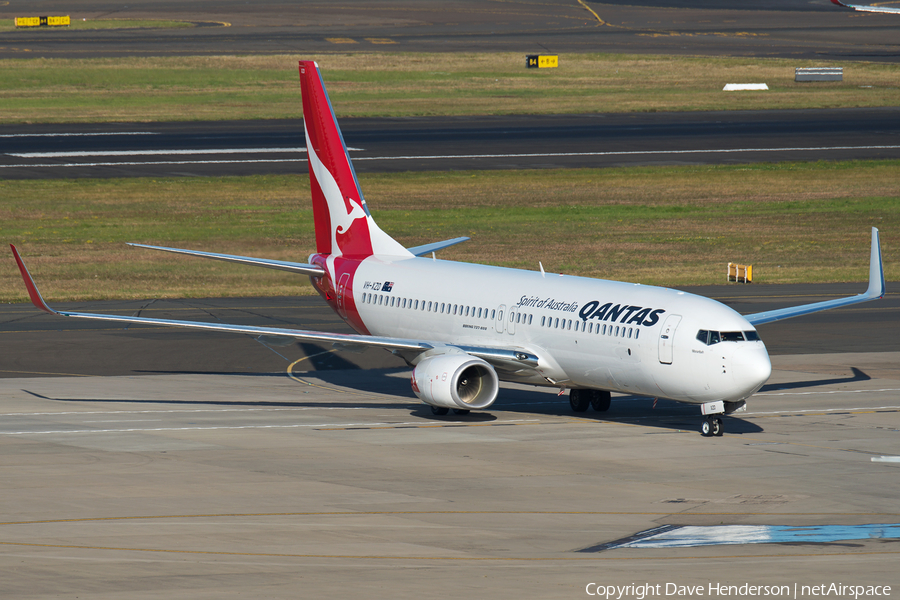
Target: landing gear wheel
600 400
460 411
439 411
579 400
706 427
717 428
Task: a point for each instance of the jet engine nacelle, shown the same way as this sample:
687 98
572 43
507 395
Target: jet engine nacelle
459 381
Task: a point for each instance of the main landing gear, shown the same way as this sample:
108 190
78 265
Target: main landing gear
712 426
599 400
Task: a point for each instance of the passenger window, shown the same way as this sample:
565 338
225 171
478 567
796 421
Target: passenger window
543 321
530 317
479 313
493 313
636 332
556 323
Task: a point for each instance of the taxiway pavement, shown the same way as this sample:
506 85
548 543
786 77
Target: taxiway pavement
341 484
797 29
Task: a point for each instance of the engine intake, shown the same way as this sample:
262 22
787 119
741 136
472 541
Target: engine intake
456 381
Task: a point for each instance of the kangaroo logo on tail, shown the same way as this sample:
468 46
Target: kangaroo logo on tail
344 226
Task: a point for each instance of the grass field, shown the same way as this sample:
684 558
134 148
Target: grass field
673 226
266 87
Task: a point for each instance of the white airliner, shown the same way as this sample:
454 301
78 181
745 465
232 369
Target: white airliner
464 327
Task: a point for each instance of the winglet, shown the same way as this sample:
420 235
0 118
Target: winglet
33 292
876 269
874 292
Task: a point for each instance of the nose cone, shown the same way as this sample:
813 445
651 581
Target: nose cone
751 368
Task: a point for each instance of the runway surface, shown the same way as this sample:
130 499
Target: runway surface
340 484
800 29
452 143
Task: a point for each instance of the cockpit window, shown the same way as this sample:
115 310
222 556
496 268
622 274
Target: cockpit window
714 337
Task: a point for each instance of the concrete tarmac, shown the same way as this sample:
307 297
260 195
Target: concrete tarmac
340 484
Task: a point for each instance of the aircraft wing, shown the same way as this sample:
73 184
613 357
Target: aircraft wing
498 356
861 8
874 292
435 246
281 265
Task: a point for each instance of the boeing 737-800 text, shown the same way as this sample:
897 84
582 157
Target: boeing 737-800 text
465 327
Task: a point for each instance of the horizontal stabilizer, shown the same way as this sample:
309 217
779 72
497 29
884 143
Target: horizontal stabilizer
874 292
281 265
435 246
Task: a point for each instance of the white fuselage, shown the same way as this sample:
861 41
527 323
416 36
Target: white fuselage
587 333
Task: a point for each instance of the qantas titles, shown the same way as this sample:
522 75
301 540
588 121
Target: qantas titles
611 312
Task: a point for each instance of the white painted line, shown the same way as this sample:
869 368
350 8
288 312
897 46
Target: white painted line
827 392
199 410
154 152
631 153
158 162
887 459
821 410
468 156
741 87
295 426
24 135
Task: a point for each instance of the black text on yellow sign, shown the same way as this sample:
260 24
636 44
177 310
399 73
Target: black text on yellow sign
541 61
43 21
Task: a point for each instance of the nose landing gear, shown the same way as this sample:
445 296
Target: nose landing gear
713 411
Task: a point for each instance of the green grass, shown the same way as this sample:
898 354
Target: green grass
794 222
266 87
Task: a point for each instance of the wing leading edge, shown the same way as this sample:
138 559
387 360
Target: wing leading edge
874 292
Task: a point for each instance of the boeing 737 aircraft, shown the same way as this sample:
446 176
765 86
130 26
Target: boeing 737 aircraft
464 327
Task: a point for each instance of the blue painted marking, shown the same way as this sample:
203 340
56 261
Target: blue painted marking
690 536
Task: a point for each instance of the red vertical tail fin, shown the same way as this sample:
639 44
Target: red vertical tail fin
344 226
